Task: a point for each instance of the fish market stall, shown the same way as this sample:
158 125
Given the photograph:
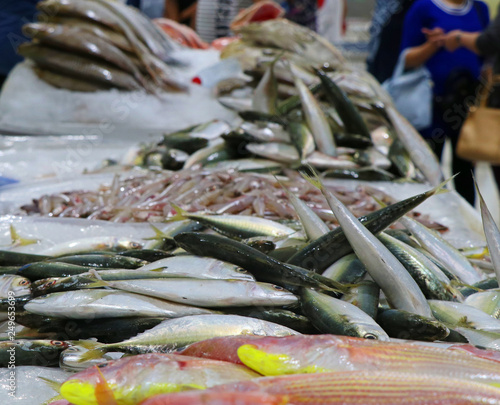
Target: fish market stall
282 236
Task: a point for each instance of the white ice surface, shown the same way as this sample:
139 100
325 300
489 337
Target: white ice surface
30 106
30 390
51 231
28 158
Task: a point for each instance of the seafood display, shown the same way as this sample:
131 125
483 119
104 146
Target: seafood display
228 264
95 45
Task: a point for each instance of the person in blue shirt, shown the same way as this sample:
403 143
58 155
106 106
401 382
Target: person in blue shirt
385 37
13 15
455 74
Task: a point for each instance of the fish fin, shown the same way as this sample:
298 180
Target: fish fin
103 392
159 235
88 344
492 384
456 283
56 386
96 281
441 188
379 201
17 240
93 354
309 174
180 214
53 399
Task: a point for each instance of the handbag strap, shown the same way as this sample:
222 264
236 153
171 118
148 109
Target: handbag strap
486 91
400 66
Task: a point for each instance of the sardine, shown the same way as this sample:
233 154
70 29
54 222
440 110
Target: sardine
92 304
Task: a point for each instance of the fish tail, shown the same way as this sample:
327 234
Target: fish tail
441 188
17 240
56 386
311 176
159 235
93 354
378 201
53 399
103 392
180 213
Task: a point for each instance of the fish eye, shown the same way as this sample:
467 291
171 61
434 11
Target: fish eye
370 336
135 245
278 288
24 282
56 343
241 270
102 365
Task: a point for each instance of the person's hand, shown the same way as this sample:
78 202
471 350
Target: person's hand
434 36
452 40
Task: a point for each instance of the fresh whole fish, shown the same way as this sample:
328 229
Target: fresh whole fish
302 354
276 151
174 334
266 94
326 250
353 122
313 225
262 266
79 66
198 267
331 315
11 258
398 286
92 304
443 251
80 41
238 226
404 325
347 388
365 296
31 352
62 81
292 37
486 301
42 270
209 293
101 31
455 314
491 232
316 119
108 243
421 154
131 380
433 283
348 270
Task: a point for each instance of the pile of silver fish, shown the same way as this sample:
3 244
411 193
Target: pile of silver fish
102 306
262 284
301 103
93 45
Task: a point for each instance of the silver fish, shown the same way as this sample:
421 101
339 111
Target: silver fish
443 251
456 314
14 286
92 304
394 280
198 267
209 293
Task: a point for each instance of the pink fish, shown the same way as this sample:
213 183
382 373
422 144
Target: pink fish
344 388
261 11
325 353
130 380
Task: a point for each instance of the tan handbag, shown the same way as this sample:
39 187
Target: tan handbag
479 139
